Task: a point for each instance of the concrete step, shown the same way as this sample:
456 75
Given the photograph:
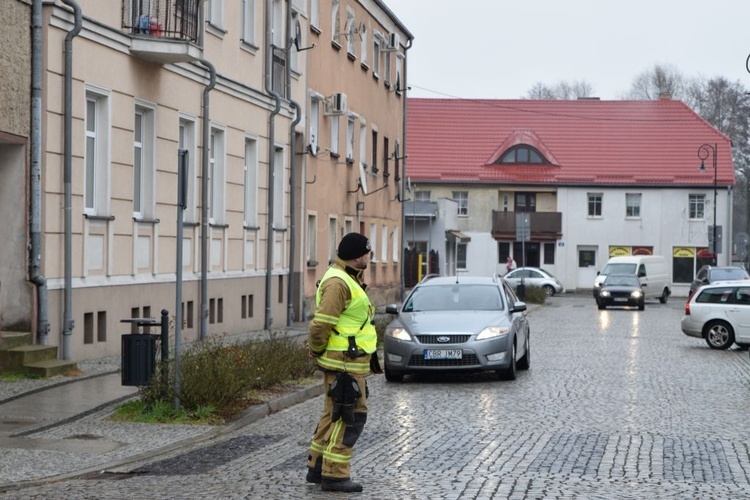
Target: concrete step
14 339
15 358
50 368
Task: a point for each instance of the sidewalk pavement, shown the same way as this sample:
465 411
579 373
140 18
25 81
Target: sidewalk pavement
55 428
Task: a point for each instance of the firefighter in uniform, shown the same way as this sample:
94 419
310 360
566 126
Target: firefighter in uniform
343 340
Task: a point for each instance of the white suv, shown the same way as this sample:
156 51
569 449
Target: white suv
720 314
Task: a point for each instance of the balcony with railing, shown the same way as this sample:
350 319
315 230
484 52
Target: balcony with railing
545 226
163 31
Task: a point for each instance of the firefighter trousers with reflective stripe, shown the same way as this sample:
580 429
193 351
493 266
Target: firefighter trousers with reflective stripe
334 441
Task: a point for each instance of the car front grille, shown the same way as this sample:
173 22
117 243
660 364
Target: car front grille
467 360
620 295
433 339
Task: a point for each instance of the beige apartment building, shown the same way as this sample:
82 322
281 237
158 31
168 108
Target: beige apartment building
355 139
130 92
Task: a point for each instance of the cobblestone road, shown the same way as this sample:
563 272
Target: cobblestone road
617 404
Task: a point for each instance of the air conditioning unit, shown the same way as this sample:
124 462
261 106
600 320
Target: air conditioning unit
337 104
393 42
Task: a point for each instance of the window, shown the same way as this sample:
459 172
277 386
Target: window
216 176
186 140
335 135
386 167
374 242
315 13
374 166
335 22
143 163
633 205
422 196
96 159
363 46
399 72
216 13
350 34
461 256
523 154
394 241
350 139
549 254
248 21
312 239
376 55
387 67
251 183
595 204
293 55
332 239
697 204
314 124
462 199
384 245
279 185
362 143
525 202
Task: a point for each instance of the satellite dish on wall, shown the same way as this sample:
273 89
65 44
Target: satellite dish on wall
362 178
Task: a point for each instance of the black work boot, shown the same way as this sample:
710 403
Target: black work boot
313 476
345 485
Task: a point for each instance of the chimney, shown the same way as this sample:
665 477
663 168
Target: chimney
665 96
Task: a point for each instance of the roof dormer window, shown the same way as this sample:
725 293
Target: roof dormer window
522 154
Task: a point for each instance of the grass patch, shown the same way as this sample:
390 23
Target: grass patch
16 376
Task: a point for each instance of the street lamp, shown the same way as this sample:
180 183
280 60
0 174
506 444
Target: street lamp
703 153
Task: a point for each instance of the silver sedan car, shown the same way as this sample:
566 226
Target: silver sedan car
458 324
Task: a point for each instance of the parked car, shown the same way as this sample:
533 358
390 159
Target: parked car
455 323
719 313
712 274
535 276
621 290
651 270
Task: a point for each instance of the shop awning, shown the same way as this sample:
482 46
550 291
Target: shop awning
459 236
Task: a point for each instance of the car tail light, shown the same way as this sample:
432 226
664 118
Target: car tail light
687 307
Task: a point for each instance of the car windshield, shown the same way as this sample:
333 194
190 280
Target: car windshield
728 274
456 297
621 281
619 269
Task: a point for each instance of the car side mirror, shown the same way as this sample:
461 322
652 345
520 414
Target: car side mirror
391 308
518 307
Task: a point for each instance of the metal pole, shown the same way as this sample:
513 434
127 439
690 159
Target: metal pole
716 257
182 176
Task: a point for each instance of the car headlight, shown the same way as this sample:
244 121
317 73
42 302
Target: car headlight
492 331
604 293
636 294
398 333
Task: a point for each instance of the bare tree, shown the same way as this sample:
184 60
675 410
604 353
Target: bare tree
561 91
661 79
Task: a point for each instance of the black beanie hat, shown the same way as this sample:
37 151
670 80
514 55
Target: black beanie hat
353 246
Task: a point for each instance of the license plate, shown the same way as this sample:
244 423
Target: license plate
621 299
442 353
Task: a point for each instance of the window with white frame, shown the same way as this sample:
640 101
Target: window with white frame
374 242
96 156
332 239
697 206
399 73
363 43
384 244
350 139
376 40
462 201
334 135
143 162
387 67
315 13
187 141
216 175
251 182
422 196
335 21
279 184
394 240
248 21
216 13
362 143
633 205
314 124
595 204
278 23
293 54
350 34
312 239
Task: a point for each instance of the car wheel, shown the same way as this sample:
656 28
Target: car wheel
510 372
718 335
601 305
525 362
549 290
664 296
391 376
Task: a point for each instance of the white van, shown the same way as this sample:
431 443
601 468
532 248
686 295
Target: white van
650 269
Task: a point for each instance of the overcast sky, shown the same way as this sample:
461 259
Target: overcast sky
501 48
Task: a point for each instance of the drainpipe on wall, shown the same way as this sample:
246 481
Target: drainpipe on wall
204 198
271 162
403 175
67 176
35 208
292 179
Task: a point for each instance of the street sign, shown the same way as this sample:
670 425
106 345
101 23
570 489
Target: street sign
523 227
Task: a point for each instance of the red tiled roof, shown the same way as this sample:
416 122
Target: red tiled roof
589 142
